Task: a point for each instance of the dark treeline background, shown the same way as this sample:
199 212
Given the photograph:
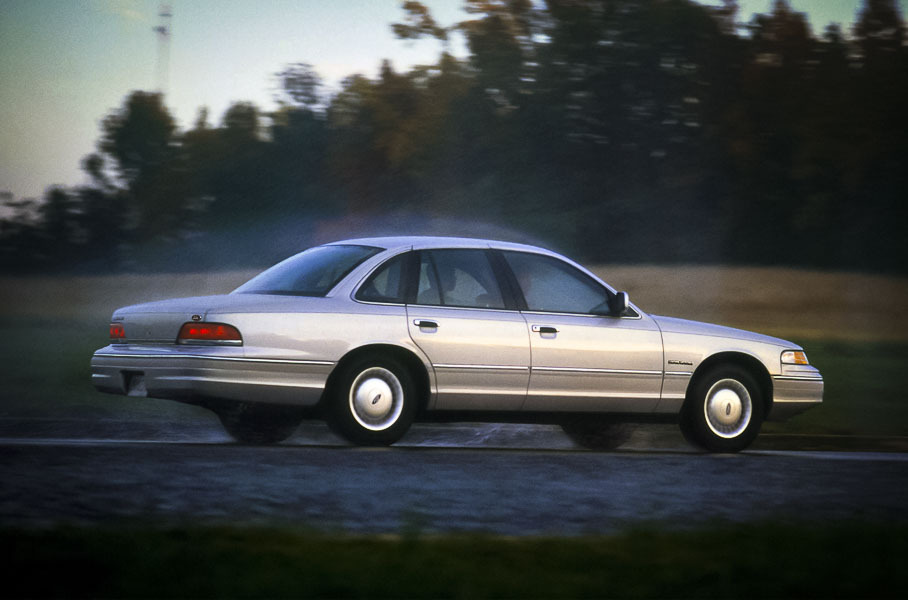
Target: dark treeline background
616 130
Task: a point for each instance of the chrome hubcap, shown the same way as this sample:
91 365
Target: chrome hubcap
728 408
376 398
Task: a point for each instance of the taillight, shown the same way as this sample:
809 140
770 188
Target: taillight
209 333
117 333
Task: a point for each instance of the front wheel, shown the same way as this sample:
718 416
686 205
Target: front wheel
374 403
724 411
253 423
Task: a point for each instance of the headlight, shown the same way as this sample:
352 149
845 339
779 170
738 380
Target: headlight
794 357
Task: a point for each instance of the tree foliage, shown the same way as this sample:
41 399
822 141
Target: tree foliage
652 130
300 83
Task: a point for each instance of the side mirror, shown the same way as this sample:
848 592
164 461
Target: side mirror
619 304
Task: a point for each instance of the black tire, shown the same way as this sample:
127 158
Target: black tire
252 423
598 434
724 410
374 401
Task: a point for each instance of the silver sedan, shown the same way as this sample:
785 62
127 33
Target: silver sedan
372 334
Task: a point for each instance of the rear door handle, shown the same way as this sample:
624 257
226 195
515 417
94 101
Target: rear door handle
425 323
544 329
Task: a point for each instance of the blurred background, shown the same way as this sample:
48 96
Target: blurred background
742 162
656 131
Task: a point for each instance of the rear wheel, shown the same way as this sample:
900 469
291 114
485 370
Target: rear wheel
253 423
724 411
374 402
598 434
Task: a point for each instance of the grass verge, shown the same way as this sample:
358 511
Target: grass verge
47 375
863 393
51 325
748 561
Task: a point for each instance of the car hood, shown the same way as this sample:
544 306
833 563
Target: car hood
674 325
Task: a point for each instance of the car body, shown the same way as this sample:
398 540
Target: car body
372 334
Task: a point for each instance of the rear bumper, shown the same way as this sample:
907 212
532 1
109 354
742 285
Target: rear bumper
194 373
793 394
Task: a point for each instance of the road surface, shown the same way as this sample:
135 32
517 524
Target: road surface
445 479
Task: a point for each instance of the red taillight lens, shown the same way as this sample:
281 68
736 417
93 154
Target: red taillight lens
117 333
209 333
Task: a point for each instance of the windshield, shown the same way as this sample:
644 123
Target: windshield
310 273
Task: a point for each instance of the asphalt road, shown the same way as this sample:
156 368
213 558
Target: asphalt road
435 483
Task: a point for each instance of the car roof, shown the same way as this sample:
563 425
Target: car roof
396 244
419 242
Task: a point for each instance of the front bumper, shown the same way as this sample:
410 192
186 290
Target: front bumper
194 373
795 391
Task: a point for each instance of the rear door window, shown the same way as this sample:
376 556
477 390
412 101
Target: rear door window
461 278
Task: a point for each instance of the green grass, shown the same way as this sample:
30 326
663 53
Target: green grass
46 364
47 373
755 561
864 390
49 327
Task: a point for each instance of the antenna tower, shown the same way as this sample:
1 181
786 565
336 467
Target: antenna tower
163 31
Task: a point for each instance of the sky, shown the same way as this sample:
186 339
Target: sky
66 64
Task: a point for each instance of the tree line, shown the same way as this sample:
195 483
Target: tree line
617 130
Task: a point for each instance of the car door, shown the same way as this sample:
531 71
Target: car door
471 331
583 360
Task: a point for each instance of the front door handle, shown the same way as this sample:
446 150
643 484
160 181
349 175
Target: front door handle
544 329
425 323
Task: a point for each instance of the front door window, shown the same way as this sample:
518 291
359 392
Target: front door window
551 285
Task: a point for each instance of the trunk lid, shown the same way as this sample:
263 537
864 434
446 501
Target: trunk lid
159 322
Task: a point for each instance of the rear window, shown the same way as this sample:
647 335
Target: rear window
310 273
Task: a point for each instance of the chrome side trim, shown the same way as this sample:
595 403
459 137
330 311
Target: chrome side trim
209 342
374 303
678 374
483 367
569 314
604 371
280 361
449 307
796 378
